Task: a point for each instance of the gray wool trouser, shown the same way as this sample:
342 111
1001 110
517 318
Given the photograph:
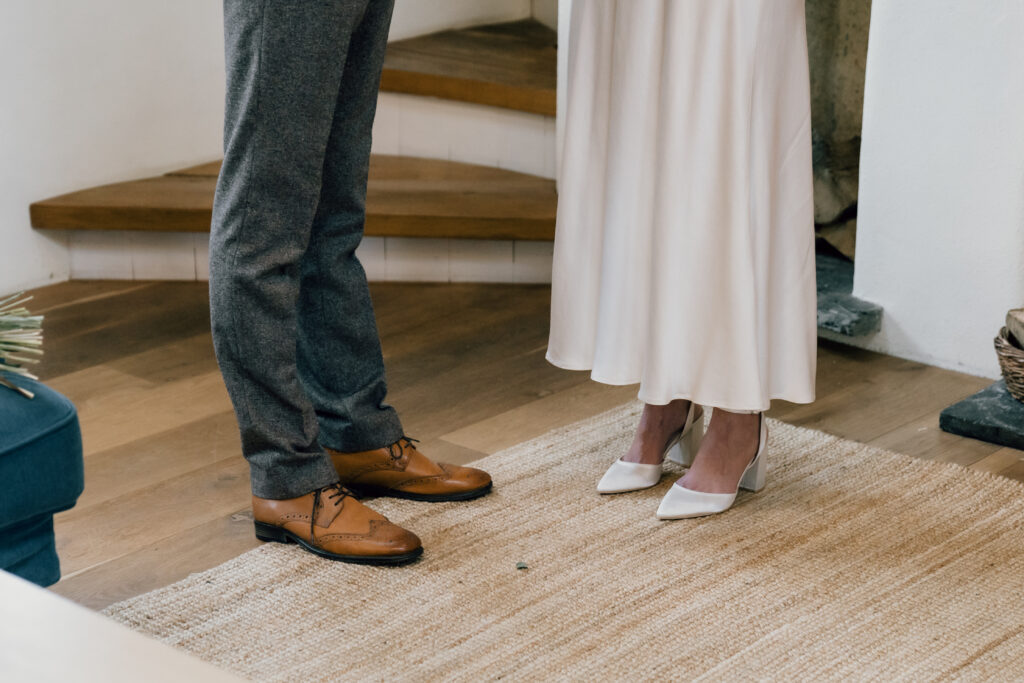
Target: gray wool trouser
293 326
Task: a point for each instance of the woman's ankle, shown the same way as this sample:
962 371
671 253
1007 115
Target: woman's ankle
729 445
657 424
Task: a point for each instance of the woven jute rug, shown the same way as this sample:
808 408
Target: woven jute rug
853 564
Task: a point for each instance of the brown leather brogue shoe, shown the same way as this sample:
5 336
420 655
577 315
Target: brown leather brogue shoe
333 524
401 471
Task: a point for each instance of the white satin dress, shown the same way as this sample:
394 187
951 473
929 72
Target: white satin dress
684 250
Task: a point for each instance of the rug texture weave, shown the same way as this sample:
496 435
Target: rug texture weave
853 564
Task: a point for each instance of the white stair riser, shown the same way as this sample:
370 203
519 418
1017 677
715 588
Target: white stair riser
128 255
415 126
416 17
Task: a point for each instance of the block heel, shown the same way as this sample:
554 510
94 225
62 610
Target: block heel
685 449
754 478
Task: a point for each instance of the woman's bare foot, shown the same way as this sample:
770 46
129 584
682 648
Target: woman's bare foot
729 445
657 424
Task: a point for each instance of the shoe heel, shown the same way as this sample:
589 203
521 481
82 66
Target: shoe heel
685 450
675 453
271 533
754 478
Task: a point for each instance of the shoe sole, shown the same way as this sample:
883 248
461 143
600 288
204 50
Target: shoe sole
275 534
618 491
371 492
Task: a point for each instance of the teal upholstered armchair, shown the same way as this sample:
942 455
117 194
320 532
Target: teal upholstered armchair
41 473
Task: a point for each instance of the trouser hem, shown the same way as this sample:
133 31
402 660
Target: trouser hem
296 483
381 433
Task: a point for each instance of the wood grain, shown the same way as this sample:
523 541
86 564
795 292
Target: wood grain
48 300
1005 462
94 535
406 197
922 438
511 65
896 392
163 561
537 417
101 330
159 458
135 413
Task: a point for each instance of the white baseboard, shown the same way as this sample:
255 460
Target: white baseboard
414 259
411 125
127 255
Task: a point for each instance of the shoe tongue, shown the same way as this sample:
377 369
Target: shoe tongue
331 506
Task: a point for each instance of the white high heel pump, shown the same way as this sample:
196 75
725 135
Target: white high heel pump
682 503
681 448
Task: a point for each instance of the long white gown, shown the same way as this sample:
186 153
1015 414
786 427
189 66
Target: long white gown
684 250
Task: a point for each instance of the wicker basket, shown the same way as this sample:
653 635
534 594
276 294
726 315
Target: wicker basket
1011 360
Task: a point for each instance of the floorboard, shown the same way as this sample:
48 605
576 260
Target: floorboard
163 561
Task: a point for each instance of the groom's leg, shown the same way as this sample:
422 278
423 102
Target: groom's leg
339 353
285 62
340 361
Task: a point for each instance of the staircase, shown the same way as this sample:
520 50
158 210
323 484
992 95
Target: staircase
461 181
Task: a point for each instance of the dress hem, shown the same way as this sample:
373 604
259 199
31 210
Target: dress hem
722 405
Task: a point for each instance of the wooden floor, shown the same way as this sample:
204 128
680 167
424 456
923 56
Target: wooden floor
167 489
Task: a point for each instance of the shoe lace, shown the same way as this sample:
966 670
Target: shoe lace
396 449
335 491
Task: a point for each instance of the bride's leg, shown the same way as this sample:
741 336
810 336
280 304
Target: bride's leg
657 423
728 447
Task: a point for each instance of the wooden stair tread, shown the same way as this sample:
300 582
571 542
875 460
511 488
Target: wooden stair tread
406 197
511 65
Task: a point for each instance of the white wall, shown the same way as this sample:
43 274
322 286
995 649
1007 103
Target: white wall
97 92
546 12
416 17
108 90
941 218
